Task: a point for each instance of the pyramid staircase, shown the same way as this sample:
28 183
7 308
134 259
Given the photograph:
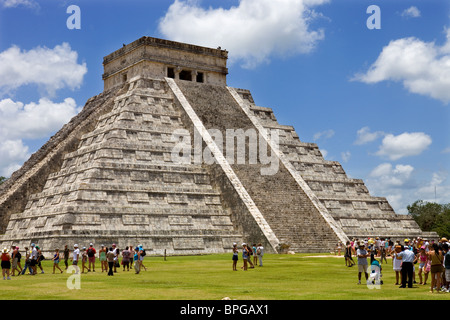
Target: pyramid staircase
290 213
357 213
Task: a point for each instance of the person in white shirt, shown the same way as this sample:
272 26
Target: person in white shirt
76 255
408 257
33 258
260 253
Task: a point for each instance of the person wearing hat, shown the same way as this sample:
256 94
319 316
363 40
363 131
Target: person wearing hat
141 258
260 253
407 246
91 256
362 255
15 256
75 255
33 258
6 264
136 260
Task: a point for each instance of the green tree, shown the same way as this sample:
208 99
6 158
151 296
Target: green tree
2 179
443 222
431 216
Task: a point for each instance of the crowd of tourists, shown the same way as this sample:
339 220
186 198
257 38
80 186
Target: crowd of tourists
111 259
251 256
81 259
428 259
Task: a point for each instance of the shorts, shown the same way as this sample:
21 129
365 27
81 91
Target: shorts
437 268
235 258
14 263
92 259
6 264
33 262
75 262
447 275
362 268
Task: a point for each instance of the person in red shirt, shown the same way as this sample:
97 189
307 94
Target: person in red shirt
91 256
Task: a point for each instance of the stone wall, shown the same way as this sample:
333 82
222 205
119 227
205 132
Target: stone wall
32 176
150 57
121 186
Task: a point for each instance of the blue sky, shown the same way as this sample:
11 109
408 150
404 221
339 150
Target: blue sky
376 100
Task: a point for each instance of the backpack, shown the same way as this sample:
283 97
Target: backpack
143 253
90 252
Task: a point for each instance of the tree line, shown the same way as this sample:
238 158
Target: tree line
431 216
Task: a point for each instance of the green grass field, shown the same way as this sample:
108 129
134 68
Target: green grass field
210 277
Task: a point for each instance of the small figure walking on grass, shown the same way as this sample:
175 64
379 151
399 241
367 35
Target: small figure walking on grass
56 261
6 264
235 256
362 255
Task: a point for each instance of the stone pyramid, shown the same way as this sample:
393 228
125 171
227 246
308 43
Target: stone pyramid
114 175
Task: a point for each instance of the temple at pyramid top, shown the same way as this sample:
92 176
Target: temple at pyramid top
159 58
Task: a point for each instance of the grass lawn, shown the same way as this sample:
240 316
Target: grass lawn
210 277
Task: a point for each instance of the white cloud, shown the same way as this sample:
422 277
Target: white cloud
34 120
446 150
411 12
324 134
422 67
13 154
51 69
404 145
396 184
28 121
345 156
365 136
252 32
18 3
435 190
401 187
388 177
